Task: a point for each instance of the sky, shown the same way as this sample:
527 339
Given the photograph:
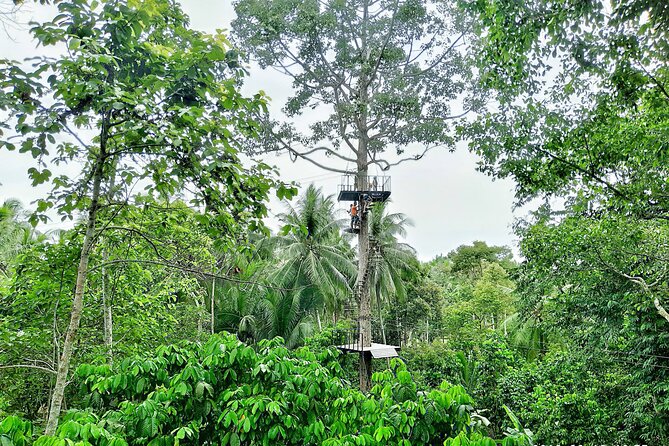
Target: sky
449 202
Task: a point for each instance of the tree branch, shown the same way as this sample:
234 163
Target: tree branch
27 366
190 269
439 59
134 231
585 172
295 154
643 284
391 28
385 165
327 151
654 79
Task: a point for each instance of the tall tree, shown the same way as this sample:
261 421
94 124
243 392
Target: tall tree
389 75
137 97
595 131
582 114
470 260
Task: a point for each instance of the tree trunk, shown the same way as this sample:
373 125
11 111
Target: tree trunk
201 311
660 309
213 304
78 299
365 310
107 326
364 318
383 325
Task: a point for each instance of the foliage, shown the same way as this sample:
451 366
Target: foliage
311 253
469 260
431 364
229 393
478 292
580 114
145 79
152 299
392 256
137 97
15 234
588 301
388 73
565 400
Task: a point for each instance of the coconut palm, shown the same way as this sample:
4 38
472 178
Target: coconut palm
258 310
287 313
389 257
312 255
15 232
526 333
255 306
237 309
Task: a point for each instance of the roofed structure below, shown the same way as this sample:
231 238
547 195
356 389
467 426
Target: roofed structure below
377 350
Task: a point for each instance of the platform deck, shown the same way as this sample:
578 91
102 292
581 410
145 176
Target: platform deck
377 350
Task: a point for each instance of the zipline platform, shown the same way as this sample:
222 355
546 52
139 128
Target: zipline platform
377 350
355 188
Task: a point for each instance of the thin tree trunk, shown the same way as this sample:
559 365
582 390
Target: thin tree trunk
660 309
80 286
318 318
365 322
383 325
107 323
107 316
201 311
213 303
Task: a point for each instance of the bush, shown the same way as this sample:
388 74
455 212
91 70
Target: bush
224 392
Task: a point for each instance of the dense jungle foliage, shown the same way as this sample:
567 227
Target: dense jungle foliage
174 316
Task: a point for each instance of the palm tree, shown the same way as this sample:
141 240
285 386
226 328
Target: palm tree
15 232
312 255
259 310
287 313
238 310
526 333
389 259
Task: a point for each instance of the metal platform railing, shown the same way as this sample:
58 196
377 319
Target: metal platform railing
356 188
350 339
369 183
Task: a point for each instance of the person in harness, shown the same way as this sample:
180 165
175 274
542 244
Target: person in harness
353 211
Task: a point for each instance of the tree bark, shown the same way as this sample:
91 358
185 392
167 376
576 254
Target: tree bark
382 323
660 309
365 310
108 329
78 298
213 304
364 318
107 315
647 288
201 311
365 307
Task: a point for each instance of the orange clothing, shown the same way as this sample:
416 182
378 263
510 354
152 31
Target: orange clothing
354 211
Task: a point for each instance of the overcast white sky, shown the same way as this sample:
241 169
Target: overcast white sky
449 202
